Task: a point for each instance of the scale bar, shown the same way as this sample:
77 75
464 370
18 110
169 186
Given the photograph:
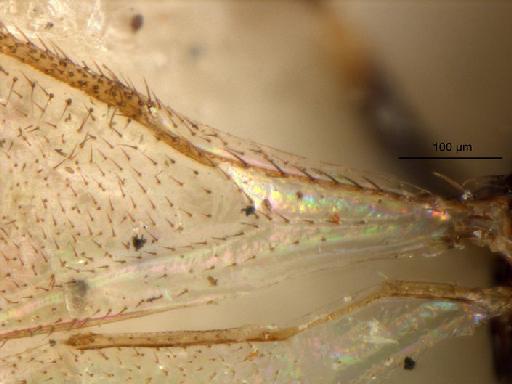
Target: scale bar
450 157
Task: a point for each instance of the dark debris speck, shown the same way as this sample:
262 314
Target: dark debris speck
409 363
138 242
137 22
249 210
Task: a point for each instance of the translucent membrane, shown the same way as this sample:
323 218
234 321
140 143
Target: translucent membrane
115 206
353 348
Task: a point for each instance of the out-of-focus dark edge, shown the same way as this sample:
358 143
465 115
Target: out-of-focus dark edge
501 327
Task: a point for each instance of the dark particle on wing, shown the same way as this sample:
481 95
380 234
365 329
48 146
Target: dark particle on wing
249 210
138 242
409 363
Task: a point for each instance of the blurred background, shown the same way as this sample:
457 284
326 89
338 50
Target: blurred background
358 83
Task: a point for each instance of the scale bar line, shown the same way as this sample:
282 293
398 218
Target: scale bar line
450 157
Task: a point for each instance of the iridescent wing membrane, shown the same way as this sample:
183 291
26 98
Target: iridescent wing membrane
353 349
